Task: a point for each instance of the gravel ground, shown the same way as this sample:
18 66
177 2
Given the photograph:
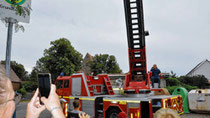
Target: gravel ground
195 115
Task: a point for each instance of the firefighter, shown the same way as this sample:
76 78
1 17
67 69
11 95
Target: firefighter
155 75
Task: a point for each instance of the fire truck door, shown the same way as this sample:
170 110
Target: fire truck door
76 86
66 89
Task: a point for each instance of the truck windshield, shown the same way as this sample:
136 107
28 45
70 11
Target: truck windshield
59 84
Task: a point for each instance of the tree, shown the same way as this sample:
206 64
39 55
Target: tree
22 11
19 70
199 80
60 57
104 63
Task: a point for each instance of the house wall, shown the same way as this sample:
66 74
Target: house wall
16 85
202 70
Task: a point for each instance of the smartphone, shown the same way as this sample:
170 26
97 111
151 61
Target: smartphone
44 83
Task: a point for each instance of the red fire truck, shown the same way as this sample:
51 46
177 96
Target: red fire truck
96 94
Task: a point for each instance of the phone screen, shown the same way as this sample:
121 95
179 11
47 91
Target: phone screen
44 80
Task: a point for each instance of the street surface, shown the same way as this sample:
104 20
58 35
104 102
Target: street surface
21 111
195 115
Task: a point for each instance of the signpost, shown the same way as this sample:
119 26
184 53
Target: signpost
8 13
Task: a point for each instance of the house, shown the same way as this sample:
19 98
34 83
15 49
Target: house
16 82
202 68
86 65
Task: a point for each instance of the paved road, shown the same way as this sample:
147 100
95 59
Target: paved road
21 111
193 115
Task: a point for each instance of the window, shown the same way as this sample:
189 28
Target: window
66 83
59 84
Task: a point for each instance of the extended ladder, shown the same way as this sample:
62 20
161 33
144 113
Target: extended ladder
136 39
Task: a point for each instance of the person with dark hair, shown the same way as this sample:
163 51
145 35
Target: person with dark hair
155 75
75 113
76 105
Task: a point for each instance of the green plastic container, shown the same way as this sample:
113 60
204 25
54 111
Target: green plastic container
184 93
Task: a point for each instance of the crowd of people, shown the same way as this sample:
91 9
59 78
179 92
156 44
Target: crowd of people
34 108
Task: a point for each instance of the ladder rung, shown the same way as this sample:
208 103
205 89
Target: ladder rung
100 111
135 28
133 7
137 60
135 23
133 2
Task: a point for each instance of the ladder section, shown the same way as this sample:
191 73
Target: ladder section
108 86
136 39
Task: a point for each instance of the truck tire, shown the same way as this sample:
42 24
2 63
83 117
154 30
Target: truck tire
166 113
113 113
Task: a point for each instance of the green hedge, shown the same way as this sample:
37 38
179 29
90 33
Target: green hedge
171 88
188 87
172 82
29 85
22 91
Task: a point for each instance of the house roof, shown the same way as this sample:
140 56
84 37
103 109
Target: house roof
89 56
13 76
198 66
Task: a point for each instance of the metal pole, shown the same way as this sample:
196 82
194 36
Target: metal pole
9 46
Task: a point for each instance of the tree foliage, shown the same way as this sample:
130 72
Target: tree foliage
172 82
104 63
199 80
187 82
21 11
18 69
60 57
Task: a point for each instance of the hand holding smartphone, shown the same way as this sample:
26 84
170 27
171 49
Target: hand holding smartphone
44 83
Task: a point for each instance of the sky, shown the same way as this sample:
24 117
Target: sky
179 31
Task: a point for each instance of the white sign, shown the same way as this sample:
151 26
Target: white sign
7 11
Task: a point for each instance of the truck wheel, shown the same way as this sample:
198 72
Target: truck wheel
113 113
166 113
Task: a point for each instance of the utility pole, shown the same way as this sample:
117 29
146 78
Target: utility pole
9 46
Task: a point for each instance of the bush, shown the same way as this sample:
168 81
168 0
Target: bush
188 87
29 85
171 88
172 82
200 81
22 91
